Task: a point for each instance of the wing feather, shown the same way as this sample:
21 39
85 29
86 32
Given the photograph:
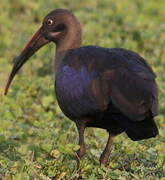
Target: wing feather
129 84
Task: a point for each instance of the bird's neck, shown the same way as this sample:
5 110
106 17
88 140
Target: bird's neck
71 40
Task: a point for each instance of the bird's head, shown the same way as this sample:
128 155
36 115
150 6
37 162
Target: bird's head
56 25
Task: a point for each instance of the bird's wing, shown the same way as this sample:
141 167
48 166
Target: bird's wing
129 85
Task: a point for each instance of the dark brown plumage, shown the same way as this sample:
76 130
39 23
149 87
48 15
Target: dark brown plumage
113 89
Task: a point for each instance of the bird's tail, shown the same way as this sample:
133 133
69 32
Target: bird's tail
142 129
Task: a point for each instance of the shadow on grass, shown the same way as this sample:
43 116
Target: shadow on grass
8 148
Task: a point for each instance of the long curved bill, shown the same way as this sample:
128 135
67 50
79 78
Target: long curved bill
36 42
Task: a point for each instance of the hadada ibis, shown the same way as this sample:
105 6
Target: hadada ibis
109 88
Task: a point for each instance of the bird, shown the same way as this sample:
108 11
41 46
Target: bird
109 88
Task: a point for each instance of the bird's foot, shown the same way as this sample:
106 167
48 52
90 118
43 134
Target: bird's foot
104 159
80 153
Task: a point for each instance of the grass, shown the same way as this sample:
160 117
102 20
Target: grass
36 140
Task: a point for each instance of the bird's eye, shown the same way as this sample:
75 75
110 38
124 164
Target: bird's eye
49 22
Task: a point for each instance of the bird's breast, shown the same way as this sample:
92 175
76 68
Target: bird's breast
73 90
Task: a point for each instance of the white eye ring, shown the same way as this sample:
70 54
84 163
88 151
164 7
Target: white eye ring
49 22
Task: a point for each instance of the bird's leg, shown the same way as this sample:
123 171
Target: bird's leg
81 129
106 153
